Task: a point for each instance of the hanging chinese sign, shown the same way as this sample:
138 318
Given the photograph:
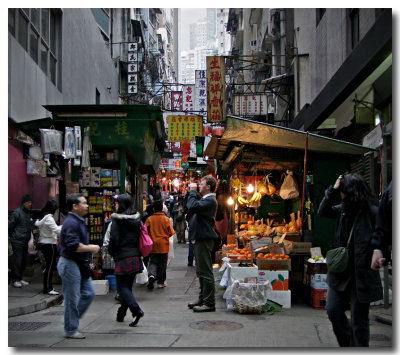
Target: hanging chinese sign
176 101
184 128
188 98
201 92
216 89
250 105
133 67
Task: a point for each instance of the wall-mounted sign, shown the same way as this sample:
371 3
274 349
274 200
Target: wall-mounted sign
132 57
176 100
132 78
133 68
256 104
188 97
216 89
184 128
201 92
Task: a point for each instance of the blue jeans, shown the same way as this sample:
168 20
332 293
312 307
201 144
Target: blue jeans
78 293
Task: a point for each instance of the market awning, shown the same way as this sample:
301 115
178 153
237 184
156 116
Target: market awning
249 132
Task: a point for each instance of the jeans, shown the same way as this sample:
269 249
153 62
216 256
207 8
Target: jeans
50 254
78 293
158 266
203 253
20 254
191 253
348 333
124 287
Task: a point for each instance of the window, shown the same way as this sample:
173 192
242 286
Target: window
37 30
102 18
355 27
97 97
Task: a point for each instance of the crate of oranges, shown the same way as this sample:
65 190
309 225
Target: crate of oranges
240 255
272 261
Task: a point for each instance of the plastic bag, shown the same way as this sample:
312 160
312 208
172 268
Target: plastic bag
171 253
248 294
51 141
289 188
143 277
31 246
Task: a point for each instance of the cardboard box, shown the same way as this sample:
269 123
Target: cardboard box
100 287
273 277
272 264
240 273
297 247
318 282
230 239
255 244
281 297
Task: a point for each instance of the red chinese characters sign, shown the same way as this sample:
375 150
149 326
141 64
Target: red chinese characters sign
216 89
176 100
184 128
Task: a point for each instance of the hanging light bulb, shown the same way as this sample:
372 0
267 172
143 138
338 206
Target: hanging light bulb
250 188
176 183
230 201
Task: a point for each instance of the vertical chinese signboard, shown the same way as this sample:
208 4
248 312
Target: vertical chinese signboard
188 98
201 92
176 101
132 67
216 89
184 128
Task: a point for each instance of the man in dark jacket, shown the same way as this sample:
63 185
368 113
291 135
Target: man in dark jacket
202 232
73 265
19 231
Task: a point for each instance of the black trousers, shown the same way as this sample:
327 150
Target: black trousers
158 266
20 254
128 300
50 254
349 332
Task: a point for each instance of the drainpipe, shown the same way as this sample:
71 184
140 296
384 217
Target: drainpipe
283 39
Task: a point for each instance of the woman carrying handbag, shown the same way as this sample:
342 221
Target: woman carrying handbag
124 248
357 285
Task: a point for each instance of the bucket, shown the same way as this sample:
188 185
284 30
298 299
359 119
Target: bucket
112 282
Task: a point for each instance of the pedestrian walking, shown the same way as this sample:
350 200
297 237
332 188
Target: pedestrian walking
48 240
202 232
357 285
73 265
160 230
382 237
178 216
19 231
124 248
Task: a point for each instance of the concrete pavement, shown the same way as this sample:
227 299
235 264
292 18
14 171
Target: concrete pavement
169 323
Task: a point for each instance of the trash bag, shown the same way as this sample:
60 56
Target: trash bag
143 277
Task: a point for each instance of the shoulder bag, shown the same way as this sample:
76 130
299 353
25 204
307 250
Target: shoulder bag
337 259
145 242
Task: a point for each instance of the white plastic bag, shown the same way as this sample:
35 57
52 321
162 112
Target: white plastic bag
143 277
171 253
31 246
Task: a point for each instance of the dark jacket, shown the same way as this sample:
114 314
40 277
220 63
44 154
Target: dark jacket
202 222
73 232
382 237
368 284
20 226
124 236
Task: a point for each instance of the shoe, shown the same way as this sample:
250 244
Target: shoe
203 308
24 283
150 285
138 315
194 304
76 335
53 292
17 284
161 285
190 264
119 319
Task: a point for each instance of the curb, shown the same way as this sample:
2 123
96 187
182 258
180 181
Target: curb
35 307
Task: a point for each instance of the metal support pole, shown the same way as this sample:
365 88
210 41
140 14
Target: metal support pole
304 181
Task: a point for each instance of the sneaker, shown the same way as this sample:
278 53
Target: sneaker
17 284
53 292
24 283
76 335
203 308
161 285
150 285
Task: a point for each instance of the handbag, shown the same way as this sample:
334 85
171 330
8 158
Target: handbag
145 242
337 259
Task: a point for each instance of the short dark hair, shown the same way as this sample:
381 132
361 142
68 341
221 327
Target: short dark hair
73 199
211 182
50 207
158 206
125 204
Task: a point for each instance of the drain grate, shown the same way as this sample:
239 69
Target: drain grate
25 326
54 313
379 337
215 325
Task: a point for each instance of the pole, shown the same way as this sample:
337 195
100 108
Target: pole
304 181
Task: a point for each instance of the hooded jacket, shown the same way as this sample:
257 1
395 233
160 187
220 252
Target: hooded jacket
20 226
124 236
49 230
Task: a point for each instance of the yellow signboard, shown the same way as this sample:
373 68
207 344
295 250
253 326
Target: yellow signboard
184 128
216 89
